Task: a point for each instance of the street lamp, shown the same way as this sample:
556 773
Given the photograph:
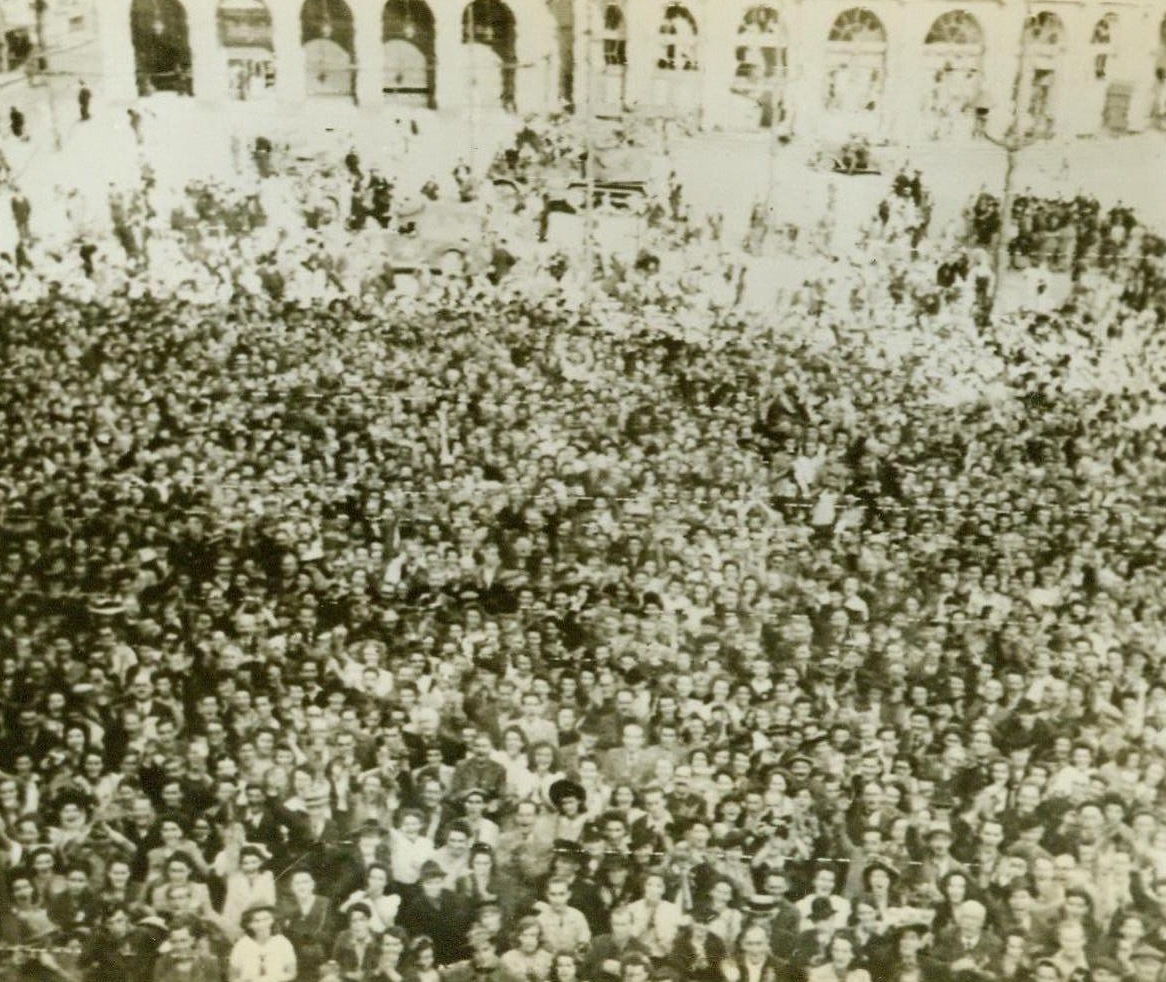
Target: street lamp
1012 142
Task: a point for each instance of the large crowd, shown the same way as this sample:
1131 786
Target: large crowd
506 629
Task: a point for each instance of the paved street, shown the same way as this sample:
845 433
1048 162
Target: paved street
186 139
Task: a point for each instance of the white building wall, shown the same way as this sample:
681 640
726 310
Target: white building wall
706 96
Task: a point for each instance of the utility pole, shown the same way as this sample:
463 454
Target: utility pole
40 9
1013 142
589 155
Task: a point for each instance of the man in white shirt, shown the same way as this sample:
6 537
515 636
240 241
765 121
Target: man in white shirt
565 929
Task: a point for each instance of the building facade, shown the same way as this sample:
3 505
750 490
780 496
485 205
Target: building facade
437 55
906 70
26 25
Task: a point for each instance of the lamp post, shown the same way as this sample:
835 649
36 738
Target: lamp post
589 155
1013 141
40 9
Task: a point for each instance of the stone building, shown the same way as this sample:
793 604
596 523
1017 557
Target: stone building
906 70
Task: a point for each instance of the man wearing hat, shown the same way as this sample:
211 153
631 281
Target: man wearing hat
436 912
937 863
812 946
699 953
482 829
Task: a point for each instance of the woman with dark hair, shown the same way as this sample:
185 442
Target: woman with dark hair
956 887
842 965
879 880
727 920
248 884
27 918
261 955
420 964
727 816
357 949
383 906
389 968
569 800
179 871
544 772
904 959
867 931
484 883
170 833
626 803
564 968
513 757
117 887
655 921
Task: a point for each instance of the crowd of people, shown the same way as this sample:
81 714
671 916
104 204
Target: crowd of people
510 629
1064 234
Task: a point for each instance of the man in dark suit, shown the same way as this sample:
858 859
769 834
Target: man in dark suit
432 910
306 922
260 823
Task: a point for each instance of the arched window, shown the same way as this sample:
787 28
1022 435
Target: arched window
1045 30
161 42
761 45
488 28
956 27
328 35
953 52
856 62
678 40
1104 32
615 37
408 38
858 26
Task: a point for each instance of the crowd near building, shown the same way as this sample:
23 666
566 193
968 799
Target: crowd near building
907 71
